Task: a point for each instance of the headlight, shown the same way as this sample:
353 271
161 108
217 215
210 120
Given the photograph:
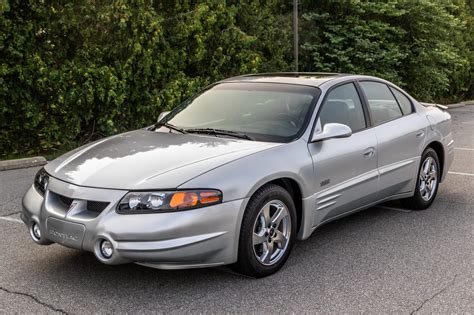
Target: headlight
163 201
41 181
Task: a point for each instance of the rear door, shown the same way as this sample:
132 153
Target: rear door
345 169
400 133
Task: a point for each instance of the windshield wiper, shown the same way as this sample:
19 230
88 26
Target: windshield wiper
170 126
216 132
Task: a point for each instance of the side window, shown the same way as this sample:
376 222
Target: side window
382 104
342 105
403 101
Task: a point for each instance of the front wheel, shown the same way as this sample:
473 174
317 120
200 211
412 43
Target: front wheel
427 182
267 232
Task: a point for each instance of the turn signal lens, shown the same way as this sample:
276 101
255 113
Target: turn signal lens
207 197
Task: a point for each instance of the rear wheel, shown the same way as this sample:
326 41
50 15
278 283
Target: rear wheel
427 182
267 232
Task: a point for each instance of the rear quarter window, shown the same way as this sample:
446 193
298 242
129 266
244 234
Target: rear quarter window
382 104
403 101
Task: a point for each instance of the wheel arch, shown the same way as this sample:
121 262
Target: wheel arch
439 149
294 189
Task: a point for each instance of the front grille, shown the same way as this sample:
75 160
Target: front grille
65 201
96 206
85 209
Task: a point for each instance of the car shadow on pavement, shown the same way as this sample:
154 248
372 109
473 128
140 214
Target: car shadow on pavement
323 242
361 252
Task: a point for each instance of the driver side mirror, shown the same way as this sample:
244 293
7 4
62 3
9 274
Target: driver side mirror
162 115
331 131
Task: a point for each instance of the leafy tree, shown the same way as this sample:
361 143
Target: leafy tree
413 43
73 72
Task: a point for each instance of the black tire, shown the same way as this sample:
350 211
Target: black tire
417 202
247 262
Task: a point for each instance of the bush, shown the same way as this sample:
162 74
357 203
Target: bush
71 72
417 44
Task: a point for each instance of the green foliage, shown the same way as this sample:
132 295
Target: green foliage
463 85
75 71
417 44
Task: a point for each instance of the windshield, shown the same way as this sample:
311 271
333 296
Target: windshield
263 111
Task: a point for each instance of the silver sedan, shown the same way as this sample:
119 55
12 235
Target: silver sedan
239 172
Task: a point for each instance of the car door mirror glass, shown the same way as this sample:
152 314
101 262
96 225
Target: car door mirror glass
331 131
162 115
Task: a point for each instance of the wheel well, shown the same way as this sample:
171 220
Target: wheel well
294 189
438 147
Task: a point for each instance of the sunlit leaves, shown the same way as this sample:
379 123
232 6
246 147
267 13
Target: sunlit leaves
73 72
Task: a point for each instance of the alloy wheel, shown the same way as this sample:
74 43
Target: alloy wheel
428 178
271 232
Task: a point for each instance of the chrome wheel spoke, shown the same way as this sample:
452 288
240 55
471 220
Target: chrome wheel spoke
280 239
422 186
432 175
432 186
428 190
266 214
423 193
266 253
427 166
280 213
259 238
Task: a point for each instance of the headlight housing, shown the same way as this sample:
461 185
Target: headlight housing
166 201
41 181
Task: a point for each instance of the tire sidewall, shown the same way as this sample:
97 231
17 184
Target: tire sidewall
428 153
268 193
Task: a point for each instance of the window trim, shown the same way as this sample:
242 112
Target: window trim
391 88
368 121
368 106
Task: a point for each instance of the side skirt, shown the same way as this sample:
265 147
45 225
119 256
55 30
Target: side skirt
394 197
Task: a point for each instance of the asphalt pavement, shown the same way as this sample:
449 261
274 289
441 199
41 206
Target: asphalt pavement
382 260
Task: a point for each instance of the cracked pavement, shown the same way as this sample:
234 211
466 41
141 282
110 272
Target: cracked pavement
377 261
434 295
35 300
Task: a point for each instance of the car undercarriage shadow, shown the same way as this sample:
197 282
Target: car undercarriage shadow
85 262
357 251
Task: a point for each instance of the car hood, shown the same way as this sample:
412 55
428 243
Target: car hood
149 160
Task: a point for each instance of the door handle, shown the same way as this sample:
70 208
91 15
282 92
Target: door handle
370 152
420 134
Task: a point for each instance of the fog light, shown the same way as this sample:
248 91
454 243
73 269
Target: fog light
35 232
106 249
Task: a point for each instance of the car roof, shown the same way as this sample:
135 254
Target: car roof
302 78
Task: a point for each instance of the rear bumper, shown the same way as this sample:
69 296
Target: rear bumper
194 238
449 157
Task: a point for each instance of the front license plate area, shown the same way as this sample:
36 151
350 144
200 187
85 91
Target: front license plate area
65 233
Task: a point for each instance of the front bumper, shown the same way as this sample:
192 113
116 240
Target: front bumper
184 239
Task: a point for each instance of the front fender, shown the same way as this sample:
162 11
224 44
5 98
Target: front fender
241 178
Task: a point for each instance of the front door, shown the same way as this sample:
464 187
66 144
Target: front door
345 169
